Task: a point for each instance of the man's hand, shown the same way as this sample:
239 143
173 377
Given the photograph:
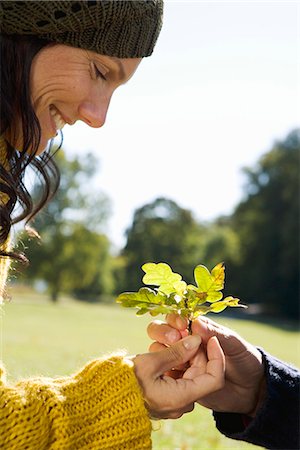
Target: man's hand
244 386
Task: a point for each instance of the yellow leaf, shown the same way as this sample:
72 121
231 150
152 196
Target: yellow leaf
161 275
218 275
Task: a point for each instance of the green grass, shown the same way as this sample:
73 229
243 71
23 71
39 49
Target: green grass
38 337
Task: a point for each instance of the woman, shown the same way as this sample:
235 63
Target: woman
61 61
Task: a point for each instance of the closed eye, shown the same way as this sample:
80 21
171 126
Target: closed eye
99 74
96 72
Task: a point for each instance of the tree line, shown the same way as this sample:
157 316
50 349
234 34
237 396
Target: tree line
258 242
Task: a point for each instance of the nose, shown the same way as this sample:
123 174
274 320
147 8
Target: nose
93 112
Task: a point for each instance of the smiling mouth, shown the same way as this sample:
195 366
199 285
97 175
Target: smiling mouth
57 118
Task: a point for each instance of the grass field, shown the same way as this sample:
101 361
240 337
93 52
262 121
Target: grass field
38 337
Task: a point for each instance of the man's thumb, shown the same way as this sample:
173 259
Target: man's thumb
178 353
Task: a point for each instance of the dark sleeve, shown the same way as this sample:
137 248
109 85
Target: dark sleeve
276 425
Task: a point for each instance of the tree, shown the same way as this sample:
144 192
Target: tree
77 200
267 223
73 254
73 260
161 232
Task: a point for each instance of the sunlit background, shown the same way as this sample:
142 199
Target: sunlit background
220 90
221 86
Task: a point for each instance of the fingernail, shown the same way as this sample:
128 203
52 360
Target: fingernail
191 342
172 336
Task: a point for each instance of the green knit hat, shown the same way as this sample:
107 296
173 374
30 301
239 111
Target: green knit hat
121 28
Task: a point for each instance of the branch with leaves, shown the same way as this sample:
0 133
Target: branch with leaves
173 295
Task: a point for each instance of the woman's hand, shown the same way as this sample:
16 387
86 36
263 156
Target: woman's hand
167 397
244 388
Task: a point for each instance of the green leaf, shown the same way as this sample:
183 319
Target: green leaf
142 311
209 284
162 309
174 295
161 275
180 287
147 300
233 301
214 296
192 298
202 278
200 311
228 301
191 287
218 307
172 299
131 299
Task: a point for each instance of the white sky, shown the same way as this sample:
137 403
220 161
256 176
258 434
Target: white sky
221 86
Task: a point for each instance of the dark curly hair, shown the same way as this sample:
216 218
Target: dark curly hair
17 53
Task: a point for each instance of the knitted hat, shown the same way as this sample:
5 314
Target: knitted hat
121 28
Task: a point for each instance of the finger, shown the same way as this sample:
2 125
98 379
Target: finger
163 333
200 359
201 385
198 365
190 390
177 322
157 347
207 328
216 358
175 355
228 339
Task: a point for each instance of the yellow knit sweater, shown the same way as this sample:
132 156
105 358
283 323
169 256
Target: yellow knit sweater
101 407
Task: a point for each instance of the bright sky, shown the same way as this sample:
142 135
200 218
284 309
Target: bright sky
221 86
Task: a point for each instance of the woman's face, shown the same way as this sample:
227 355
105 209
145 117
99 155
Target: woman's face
70 84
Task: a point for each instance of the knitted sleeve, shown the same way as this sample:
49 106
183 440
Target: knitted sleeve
276 425
100 407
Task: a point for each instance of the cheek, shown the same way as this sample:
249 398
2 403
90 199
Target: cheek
44 93
70 92
58 86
